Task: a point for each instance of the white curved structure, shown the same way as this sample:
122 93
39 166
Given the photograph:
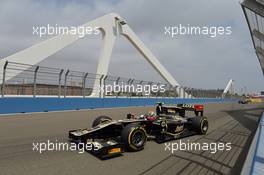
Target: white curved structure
111 26
229 87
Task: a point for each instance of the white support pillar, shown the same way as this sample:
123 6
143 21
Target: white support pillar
229 88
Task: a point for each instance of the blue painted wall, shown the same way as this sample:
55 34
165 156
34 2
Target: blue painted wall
27 104
40 104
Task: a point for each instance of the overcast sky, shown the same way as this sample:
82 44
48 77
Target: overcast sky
196 61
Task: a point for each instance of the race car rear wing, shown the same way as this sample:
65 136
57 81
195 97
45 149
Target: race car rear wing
181 108
196 107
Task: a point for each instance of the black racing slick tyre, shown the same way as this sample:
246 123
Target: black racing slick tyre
101 120
200 124
134 137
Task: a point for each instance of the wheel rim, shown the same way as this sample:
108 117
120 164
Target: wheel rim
204 126
138 139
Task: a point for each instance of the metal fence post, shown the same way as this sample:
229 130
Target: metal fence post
158 85
3 81
150 85
100 93
128 83
105 77
116 82
59 91
129 94
83 84
35 81
65 83
141 82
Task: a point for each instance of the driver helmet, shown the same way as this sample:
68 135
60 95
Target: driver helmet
151 115
160 103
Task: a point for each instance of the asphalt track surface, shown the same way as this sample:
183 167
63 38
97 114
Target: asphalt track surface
228 123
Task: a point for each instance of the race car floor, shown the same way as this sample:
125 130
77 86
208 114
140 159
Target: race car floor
228 122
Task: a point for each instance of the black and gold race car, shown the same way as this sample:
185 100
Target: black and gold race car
244 101
112 137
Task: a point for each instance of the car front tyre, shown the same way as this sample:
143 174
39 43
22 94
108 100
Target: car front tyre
134 137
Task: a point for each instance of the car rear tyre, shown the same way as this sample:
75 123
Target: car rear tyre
200 124
101 120
134 137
